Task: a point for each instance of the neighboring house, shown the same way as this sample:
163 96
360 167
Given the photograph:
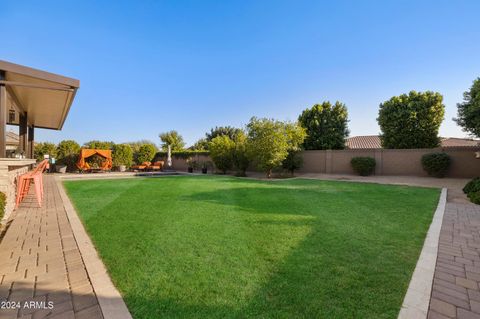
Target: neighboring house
12 142
373 141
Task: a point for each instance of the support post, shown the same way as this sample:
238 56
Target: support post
31 138
22 133
3 117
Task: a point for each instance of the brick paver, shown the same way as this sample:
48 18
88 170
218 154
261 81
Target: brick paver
41 265
456 290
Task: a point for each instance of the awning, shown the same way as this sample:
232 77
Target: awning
45 97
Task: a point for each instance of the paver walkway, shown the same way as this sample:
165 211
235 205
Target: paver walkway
40 261
456 292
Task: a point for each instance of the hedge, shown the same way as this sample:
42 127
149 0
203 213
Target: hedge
3 202
436 164
364 166
180 154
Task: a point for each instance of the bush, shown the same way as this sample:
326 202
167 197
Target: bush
474 197
364 166
472 186
67 153
145 153
42 149
3 201
122 155
436 164
222 150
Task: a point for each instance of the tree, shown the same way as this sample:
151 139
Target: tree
145 153
326 126
67 154
240 158
42 149
172 138
136 145
122 155
229 131
200 145
411 121
99 145
269 142
468 116
221 152
293 161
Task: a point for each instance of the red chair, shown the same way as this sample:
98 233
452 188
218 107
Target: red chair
24 181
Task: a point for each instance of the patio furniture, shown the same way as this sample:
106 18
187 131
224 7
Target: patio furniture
24 181
86 153
142 167
157 166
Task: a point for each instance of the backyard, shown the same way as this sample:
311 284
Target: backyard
212 246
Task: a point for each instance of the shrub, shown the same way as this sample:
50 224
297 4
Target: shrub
180 154
122 155
293 161
472 186
222 150
44 148
67 153
3 201
99 145
474 197
436 164
364 166
145 153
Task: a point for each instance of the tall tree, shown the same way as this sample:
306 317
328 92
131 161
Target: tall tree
172 138
468 116
269 141
222 152
411 120
100 145
326 126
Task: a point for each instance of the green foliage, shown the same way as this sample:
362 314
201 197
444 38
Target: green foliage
200 145
3 202
326 126
67 154
411 121
229 131
172 138
122 155
269 141
472 186
136 145
240 157
293 161
162 155
145 153
474 197
468 116
221 151
436 164
99 145
44 148
363 166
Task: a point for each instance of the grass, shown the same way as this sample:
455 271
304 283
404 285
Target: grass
223 247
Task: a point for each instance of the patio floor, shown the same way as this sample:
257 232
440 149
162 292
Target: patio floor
455 292
40 261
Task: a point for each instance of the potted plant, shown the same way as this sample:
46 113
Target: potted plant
205 166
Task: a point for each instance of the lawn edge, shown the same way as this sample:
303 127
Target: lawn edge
417 298
109 298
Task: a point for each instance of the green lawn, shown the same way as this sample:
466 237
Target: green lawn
224 247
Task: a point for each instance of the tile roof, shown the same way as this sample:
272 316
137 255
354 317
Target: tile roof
373 141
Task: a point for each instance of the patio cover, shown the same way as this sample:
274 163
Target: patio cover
86 153
44 96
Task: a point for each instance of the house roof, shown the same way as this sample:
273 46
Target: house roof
45 97
373 141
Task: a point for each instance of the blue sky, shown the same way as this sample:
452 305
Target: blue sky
150 66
